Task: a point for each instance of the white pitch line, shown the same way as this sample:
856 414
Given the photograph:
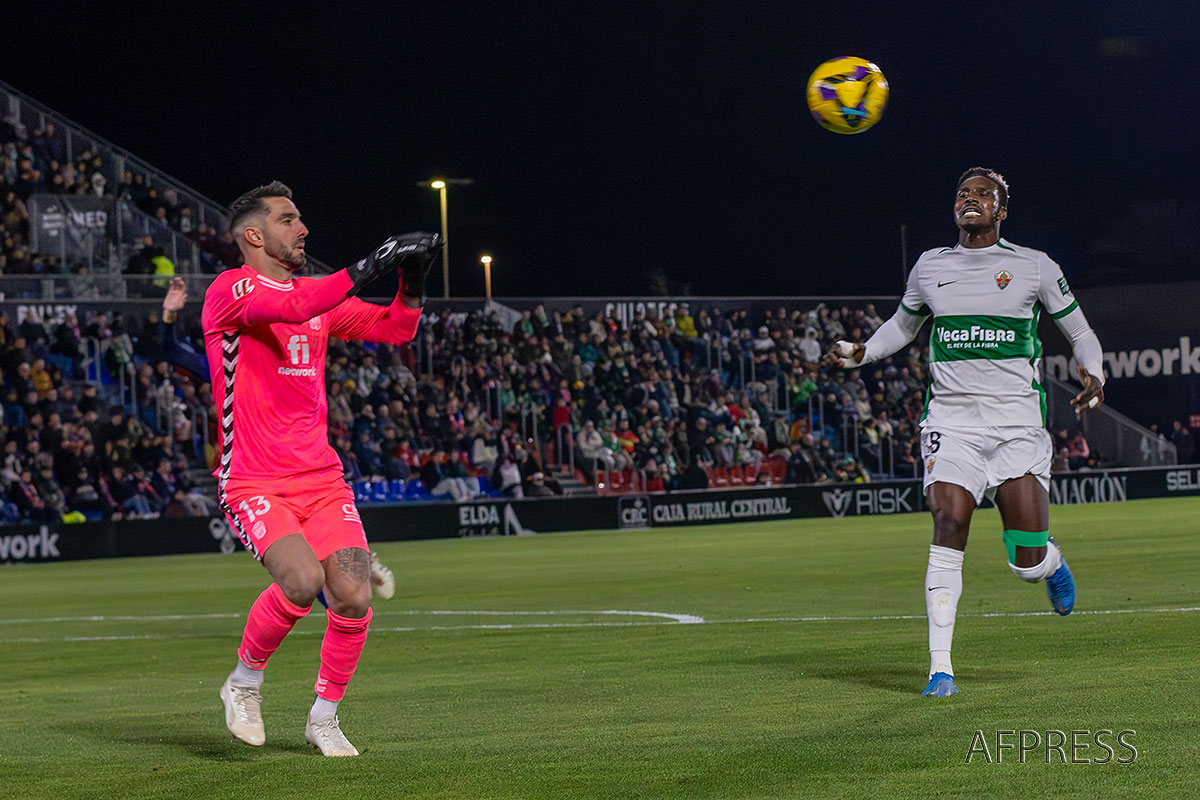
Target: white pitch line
984 614
118 618
683 619
680 619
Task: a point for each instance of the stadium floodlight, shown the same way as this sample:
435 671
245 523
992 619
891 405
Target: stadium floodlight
486 260
440 185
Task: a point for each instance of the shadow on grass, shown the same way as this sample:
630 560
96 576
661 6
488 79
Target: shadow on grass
903 679
211 744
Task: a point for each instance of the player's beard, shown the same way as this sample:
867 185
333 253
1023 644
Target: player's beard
291 257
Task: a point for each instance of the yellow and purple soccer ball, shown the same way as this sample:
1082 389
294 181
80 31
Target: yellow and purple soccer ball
847 94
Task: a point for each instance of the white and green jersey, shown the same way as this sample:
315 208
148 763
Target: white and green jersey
984 351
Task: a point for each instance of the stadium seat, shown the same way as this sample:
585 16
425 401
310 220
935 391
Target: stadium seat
379 492
362 491
395 489
416 490
720 476
777 467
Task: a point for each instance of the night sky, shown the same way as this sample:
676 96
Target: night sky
611 143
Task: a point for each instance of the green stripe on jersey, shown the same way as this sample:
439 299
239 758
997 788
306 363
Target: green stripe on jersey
1037 353
958 338
1060 314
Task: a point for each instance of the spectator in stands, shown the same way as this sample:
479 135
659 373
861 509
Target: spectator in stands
536 486
800 468
369 452
702 442
1077 451
694 477
446 478
508 474
25 495
1185 445
87 497
164 480
485 447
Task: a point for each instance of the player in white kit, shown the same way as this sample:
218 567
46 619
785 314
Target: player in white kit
983 432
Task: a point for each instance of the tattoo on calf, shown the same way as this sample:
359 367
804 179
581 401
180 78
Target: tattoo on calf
355 562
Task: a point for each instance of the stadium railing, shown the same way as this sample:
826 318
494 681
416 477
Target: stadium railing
95 286
1113 437
115 162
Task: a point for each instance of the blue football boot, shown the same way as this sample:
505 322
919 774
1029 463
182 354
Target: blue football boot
1060 588
941 684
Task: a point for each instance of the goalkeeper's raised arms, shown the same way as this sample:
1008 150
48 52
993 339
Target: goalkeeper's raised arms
411 253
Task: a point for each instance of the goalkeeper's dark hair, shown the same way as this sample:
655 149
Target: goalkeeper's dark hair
251 202
991 175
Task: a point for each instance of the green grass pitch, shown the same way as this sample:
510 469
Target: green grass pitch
801 681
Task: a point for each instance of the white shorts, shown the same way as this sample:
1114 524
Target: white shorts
980 459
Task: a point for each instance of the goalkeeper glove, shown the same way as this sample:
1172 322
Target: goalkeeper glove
396 251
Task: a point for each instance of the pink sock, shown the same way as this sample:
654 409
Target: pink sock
270 619
340 650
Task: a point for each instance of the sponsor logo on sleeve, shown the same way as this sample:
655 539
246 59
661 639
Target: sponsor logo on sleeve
1063 287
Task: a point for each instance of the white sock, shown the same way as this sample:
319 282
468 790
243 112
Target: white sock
323 708
1048 567
943 587
244 676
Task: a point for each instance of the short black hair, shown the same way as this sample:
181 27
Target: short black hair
252 203
991 175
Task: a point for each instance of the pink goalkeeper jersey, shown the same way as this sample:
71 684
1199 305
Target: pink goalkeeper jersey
266 343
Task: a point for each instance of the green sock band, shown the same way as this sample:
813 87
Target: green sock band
1015 539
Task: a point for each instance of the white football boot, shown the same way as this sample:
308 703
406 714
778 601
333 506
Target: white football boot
382 578
326 735
243 713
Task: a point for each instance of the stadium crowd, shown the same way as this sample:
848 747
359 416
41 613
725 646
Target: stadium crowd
105 416
37 162
669 398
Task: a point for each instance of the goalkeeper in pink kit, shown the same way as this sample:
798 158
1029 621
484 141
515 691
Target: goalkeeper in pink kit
278 480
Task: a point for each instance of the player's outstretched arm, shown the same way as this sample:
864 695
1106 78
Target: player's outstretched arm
303 301
892 335
1088 354
1057 298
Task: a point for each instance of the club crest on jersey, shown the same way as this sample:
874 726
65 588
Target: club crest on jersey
929 462
315 323
1003 278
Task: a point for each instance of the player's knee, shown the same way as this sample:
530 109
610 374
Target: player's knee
302 584
355 606
1028 554
948 529
1029 574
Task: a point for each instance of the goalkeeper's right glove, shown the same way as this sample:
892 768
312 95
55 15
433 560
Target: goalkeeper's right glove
394 251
